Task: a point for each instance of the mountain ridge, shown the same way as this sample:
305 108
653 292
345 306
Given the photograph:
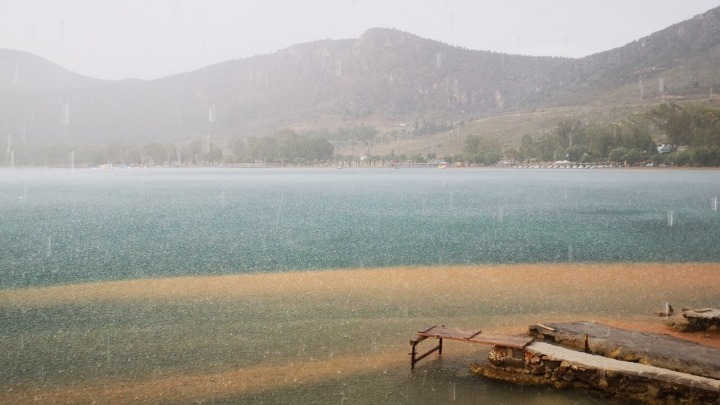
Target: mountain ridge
381 77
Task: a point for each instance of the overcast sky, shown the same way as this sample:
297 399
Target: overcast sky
115 39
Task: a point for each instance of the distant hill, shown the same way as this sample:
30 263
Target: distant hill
22 71
385 76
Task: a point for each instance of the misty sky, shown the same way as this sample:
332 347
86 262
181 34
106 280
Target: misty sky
153 38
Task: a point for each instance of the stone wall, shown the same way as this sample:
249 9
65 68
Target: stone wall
523 366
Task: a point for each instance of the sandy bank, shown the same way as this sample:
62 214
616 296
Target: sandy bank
571 281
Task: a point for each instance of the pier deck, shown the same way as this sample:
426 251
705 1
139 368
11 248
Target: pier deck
458 335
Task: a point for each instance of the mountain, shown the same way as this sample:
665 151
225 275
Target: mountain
677 61
22 71
385 76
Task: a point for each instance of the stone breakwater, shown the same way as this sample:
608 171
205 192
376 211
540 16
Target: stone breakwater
651 376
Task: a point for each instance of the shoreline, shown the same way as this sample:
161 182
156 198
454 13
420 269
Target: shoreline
250 166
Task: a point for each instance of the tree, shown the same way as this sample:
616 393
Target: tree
602 138
238 150
482 151
706 156
633 156
528 146
576 152
691 125
155 153
570 133
617 155
671 119
636 135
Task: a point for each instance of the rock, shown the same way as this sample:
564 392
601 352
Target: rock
538 370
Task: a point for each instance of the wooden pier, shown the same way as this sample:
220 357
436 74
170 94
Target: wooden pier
474 336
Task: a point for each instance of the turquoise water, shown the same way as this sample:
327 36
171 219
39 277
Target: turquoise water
62 226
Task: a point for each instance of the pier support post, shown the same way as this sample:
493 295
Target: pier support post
414 358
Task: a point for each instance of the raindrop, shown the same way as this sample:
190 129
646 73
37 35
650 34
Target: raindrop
338 69
72 160
211 114
206 144
671 218
48 248
714 206
501 214
570 253
66 114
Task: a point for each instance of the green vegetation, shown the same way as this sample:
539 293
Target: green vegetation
287 146
284 147
694 127
689 135
482 151
580 141
690 132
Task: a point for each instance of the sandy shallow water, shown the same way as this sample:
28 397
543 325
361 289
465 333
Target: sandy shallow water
335 336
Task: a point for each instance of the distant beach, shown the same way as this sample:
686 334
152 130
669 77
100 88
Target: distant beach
326 334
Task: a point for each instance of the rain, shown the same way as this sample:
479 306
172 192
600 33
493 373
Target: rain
240 203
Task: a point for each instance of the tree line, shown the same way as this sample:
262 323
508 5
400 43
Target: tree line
692 133
283 147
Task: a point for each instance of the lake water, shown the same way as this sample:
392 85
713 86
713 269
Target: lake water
274 334
61 226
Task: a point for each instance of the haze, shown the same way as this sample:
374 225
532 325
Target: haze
115 40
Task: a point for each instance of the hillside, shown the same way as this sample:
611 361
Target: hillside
385 78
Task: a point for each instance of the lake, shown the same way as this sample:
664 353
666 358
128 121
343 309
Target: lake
62 226
304 286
